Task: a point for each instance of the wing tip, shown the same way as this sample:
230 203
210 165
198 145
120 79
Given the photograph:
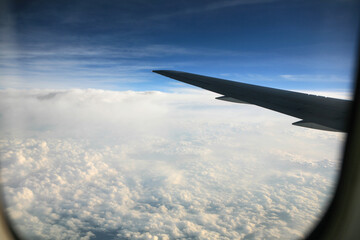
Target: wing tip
163 72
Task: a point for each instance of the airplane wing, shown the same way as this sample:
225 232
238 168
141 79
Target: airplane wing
316 112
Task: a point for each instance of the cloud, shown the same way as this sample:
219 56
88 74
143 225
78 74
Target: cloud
154 165
318 78
211 6
32 65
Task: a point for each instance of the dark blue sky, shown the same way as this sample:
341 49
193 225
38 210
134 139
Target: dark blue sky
115 44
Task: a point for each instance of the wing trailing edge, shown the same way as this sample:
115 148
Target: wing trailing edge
312 125
230 99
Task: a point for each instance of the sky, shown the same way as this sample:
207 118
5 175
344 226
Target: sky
93 145
301 45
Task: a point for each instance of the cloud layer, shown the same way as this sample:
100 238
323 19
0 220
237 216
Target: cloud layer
153 165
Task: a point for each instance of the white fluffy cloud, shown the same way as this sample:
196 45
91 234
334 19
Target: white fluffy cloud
85 164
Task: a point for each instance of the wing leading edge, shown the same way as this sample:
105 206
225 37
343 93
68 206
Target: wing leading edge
316 112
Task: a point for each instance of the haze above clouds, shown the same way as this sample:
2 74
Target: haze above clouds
155 165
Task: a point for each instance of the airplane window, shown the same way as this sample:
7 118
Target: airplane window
94 145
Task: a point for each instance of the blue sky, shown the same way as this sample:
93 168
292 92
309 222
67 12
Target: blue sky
300 45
